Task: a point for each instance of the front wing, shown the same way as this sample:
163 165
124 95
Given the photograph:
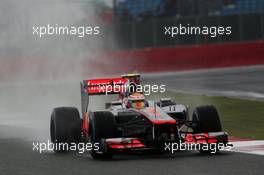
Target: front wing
126 144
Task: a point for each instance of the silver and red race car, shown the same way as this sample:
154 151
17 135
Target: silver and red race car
132 123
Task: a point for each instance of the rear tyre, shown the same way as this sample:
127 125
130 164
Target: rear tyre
102 126
206 119
65 128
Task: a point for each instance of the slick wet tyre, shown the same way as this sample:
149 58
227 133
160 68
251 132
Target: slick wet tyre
102 125
65 128
206 119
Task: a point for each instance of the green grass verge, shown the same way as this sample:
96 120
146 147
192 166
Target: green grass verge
240 118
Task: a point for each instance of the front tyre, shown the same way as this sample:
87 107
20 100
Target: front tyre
65 128
103 126
206 119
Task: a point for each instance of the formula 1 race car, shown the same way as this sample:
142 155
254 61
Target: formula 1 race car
133 123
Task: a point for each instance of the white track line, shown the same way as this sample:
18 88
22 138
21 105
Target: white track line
248 147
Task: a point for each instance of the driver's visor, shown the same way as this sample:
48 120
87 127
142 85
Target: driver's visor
138 104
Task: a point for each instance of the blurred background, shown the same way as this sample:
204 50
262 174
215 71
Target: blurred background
137 27
126 26
140 23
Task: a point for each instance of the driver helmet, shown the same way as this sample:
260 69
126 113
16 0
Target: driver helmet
136 100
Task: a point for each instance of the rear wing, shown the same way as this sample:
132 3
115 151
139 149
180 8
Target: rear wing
100 87
105 86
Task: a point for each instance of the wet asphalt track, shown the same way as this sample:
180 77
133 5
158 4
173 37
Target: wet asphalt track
20 160
25 114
